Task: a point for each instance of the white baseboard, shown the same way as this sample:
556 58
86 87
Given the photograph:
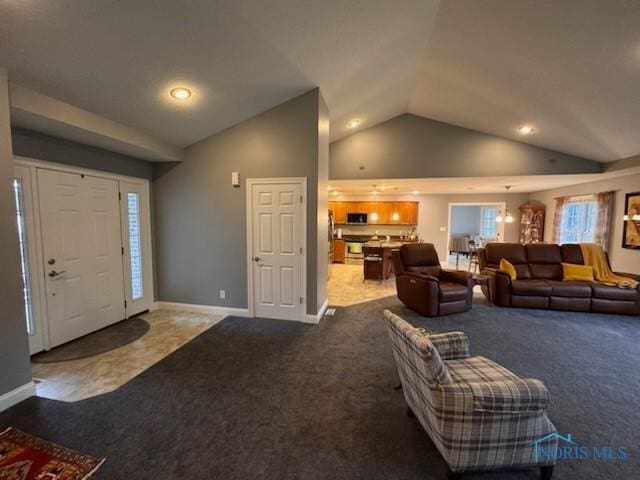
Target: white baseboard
13 397
311 318
190 307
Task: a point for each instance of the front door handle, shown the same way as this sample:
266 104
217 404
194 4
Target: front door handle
54 274
256 259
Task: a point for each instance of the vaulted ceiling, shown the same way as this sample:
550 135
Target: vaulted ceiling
570 68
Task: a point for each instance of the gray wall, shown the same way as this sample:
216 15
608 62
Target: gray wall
622 259
323 199
200 219
409 146
37 145
15 368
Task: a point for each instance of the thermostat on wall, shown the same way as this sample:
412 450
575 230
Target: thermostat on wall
235 179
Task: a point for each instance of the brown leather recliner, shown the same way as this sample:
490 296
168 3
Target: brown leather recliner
539 281
425 287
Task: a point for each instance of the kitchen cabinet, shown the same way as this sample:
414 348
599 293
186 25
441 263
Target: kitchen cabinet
339 210
407 212
382 210
339 250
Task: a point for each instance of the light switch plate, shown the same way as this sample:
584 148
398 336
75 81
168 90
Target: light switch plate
235 179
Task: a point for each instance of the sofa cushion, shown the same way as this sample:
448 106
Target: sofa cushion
450 292
477 369
514 252
546 271
572 253
577 272
507 267
614 293
570 289
543 253
420 258
536 288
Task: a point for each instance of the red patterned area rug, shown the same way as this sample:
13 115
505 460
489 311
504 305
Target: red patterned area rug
25 457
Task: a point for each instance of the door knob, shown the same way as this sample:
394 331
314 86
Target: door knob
256 259
54 274
51 261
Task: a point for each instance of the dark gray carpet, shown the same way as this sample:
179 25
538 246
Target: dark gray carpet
105 340
255 398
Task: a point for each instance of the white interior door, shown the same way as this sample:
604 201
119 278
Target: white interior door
23 197
277 254
136 238
81 243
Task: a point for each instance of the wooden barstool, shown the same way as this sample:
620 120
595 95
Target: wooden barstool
372 263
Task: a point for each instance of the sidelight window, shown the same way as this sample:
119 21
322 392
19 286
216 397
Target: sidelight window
135 245
18 194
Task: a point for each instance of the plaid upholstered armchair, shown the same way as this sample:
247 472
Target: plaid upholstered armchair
478 414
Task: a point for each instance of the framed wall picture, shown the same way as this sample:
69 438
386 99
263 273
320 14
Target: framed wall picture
631 229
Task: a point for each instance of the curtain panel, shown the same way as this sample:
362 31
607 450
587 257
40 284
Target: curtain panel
557 219
605 207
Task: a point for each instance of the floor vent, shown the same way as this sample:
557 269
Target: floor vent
330 312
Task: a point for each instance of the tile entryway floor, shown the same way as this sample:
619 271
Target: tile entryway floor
76 380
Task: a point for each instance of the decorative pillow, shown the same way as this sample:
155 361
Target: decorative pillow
507 267
577 273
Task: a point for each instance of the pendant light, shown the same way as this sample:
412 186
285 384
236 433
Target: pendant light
374 214
508 218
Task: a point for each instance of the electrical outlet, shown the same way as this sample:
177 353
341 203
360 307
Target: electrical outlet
223 294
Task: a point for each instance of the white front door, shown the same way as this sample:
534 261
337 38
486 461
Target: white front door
277 254
80 219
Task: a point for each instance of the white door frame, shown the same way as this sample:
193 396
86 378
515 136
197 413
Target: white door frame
500 205
302 181
37 243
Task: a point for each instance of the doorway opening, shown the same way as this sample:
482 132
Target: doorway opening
472 225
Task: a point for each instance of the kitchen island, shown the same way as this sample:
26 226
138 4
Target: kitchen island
386 253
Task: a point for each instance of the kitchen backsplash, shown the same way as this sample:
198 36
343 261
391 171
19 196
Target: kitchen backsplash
382 230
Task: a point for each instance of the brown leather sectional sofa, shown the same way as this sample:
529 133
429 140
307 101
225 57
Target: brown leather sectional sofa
539 281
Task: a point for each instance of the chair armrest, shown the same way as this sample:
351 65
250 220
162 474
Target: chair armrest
450 345
456 276
420 276
499 284
522 395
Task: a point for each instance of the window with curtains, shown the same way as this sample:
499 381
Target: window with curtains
579 220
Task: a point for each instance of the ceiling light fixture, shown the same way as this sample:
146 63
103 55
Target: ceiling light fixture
526 130
353 124
415 192
180 93
508 218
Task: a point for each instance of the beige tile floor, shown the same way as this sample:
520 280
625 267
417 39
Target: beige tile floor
346 287
87 377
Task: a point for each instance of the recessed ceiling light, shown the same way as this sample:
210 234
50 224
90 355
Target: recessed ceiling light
180 93
353 123
525 129
415 192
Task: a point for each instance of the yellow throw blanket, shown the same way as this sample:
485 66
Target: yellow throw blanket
595 257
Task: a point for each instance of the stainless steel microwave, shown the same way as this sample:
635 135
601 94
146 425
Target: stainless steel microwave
357 218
